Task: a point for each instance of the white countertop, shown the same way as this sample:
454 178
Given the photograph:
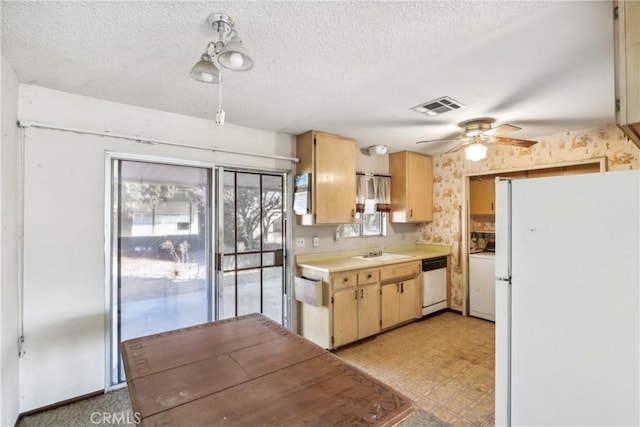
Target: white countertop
332 262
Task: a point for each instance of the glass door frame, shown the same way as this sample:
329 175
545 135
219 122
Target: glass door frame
289 315
111 298
215 276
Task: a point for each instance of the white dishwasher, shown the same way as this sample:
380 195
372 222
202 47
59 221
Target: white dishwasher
482 285
434 285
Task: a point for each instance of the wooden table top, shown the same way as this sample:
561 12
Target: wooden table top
250 371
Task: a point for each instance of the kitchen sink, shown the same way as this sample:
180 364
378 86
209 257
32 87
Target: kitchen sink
383 257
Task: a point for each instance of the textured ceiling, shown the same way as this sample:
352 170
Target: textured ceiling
347 67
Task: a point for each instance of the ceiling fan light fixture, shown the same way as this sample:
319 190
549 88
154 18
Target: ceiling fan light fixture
475 152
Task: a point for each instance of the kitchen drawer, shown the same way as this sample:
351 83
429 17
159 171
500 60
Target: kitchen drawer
344 280
368 276
399 271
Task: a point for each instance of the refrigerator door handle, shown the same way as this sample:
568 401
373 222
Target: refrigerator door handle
504 279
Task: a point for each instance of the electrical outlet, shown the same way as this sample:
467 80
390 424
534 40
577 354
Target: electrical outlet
300 242
316 241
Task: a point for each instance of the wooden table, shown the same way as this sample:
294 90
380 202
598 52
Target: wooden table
250 371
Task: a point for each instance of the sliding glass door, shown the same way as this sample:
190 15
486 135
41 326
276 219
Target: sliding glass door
164 234
162 276
252 234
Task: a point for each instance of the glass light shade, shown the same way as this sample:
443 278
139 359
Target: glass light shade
234 56
475 152
205 70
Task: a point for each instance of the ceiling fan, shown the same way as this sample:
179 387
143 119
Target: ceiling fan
477 133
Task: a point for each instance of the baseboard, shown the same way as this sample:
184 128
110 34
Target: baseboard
455 311
58 405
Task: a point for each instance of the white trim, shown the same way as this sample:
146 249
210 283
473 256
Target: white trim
21 192
108 291
137 138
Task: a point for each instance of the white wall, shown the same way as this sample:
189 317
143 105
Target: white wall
9 315
64 285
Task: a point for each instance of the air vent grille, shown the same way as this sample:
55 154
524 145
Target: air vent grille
438 106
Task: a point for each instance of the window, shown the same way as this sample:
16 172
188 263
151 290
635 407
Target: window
372 203
369 224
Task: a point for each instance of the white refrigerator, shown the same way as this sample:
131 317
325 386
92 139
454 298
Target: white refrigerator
567 300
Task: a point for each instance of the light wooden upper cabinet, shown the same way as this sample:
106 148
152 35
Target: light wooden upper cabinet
411 187
482 195
331 161
627 68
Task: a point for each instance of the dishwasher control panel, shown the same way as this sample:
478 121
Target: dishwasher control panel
434 263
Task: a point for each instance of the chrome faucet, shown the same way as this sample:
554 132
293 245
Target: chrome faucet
372 254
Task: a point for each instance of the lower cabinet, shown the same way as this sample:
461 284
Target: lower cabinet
400 302
356 306
356 313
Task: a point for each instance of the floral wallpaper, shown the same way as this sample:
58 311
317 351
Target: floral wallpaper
449 169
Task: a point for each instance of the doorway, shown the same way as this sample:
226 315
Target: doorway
250 259
189 244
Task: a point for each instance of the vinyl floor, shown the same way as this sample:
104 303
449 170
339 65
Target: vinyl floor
445 363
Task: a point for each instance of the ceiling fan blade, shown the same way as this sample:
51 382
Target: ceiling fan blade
458 147
433 141
525 143
501 130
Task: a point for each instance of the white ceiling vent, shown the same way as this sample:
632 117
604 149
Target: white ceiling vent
438 106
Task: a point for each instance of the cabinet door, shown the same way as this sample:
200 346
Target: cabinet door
334 180
410 302
482 195
345 316
368 310
411 187
390 305
419 187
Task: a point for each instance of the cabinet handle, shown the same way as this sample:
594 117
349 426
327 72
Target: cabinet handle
369 276
397 287
491 205
353 213
346 279
361 293
355 294
410 213
402 288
